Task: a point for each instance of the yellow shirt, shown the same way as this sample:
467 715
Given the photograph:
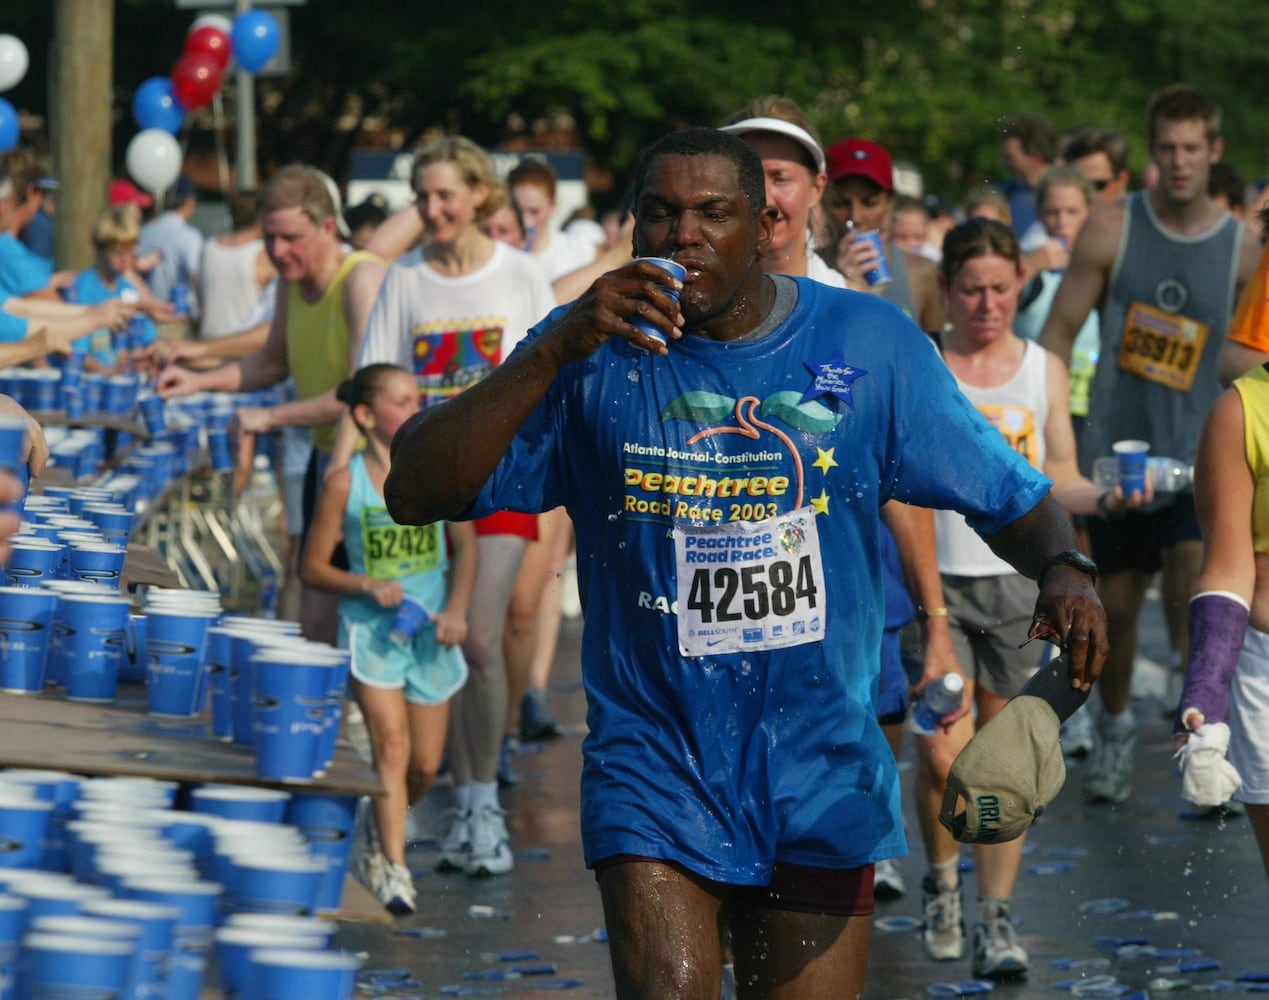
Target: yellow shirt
318 341
1253 390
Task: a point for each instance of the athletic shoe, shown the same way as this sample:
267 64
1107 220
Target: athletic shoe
997 953
456 844
1109 777
887 882
396 888
1077 735
537 721
370 868
944 931
490 852
506 773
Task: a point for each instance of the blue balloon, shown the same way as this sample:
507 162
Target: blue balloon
154 105
9 127
255 39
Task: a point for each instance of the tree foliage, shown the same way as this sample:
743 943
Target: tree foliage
933 80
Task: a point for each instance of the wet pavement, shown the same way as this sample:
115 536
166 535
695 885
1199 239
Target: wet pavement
1142 892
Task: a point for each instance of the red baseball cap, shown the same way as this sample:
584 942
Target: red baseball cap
861 158
122 192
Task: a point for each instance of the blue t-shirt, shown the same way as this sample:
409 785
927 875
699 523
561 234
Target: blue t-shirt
88 289
21 270
728 763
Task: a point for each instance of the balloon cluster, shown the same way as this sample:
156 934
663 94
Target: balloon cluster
159 104
13 63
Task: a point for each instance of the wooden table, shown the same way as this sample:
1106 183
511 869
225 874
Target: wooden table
47 731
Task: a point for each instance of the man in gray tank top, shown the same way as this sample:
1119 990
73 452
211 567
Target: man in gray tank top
1164 266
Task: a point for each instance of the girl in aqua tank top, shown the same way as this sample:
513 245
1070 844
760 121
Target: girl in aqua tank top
403 684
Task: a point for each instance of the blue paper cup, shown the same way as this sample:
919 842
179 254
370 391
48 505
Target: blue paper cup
47 898
219 658
98 563
234 944
98 929
261 882
880 273
32 562
247 635
65 965
132 667
26 631
410 618
327 822
176 653
157 927
286 974
281 923
290 693
1132 457
12 442
61 789
24 822
220 451
73 401
92 645
114 521
675 270
12 927
151 406
263 805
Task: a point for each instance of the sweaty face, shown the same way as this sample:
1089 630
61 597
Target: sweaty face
293 241
1184 155
691 209
864 203
1063 212
447 203
982 297
791 188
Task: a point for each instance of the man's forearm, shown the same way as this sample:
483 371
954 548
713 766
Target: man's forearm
323 409
442 457
1031 539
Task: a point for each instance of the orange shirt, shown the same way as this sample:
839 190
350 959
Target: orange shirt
1251 323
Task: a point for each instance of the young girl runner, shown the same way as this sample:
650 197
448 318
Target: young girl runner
403 688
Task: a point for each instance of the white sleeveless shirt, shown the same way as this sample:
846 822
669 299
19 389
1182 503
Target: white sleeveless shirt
1019 409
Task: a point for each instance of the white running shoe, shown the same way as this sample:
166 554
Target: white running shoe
944 931
396 888
997 953
887 882
490 852
1109 777
456 844
570 599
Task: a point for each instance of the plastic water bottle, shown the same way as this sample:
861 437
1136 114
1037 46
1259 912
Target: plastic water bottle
939 698
1169 475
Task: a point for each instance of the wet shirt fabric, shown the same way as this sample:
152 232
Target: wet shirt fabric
727 763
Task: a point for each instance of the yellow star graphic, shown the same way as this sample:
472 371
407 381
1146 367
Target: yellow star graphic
825 461
820 503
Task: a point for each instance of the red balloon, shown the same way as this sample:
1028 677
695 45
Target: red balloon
210 41
195 79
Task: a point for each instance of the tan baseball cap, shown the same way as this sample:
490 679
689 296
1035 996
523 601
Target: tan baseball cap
1012 768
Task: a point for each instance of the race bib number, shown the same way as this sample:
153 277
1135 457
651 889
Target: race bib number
396 550
1162 347
747 586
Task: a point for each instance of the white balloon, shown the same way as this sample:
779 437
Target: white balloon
212 21
13 62
154 159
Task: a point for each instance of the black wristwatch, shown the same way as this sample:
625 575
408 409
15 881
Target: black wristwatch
1071 557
